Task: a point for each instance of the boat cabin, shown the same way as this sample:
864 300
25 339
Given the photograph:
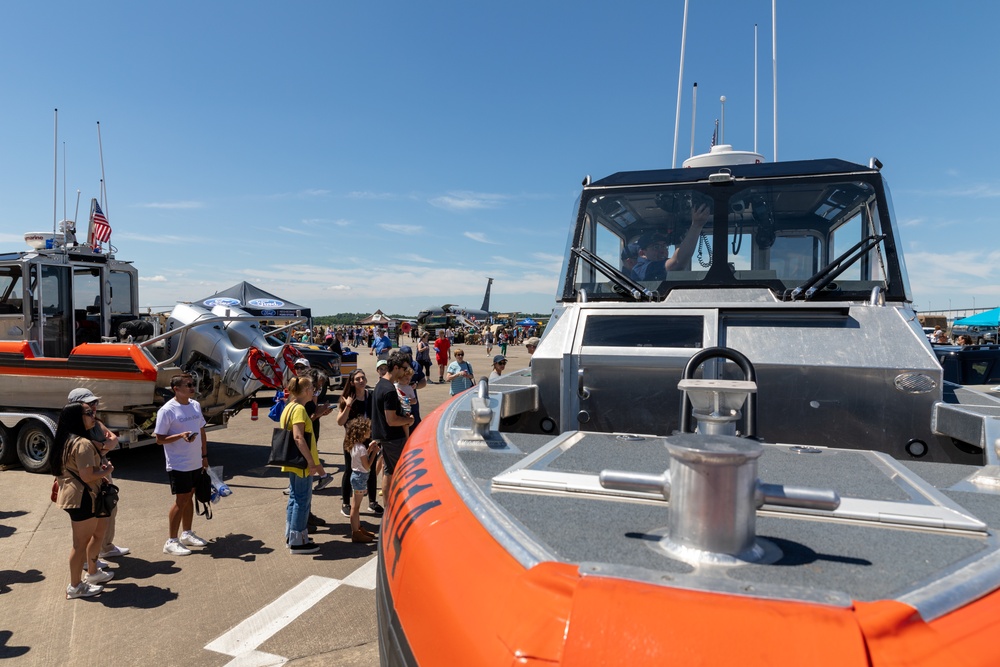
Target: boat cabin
59 298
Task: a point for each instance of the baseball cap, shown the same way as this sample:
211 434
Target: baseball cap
380 363
497 359
82 395
533 341
631 251
406 349
302 361
650 238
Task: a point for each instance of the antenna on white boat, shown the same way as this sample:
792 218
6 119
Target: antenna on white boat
694 109
77 211
55 174
722 126
754 87
680 83
774 69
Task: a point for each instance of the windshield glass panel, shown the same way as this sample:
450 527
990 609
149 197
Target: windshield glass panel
774 233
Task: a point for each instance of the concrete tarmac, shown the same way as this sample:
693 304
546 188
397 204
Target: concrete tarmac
242 600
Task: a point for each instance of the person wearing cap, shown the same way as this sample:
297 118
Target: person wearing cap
387 416
629 256
499 365
654 262
381 344
442 352
531 344
105 441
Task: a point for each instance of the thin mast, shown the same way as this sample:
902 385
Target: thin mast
55 175
104 193
680 82
754 87
774 69
694 108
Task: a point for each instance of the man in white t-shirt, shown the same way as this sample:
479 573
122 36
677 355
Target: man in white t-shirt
180 428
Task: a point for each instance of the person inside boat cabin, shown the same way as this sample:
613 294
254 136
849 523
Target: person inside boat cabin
654 262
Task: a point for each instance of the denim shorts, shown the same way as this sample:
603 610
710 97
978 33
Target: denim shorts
359 480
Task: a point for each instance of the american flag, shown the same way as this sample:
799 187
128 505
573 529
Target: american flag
102 230
715 133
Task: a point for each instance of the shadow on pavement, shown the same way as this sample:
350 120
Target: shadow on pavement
138 568
10 651
236 546
9 577
118 595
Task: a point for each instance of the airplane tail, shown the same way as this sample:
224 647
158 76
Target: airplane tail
486 299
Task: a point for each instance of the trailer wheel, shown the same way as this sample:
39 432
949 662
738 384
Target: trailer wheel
34 446
8 447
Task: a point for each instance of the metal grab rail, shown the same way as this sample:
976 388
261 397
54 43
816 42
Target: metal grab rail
749 374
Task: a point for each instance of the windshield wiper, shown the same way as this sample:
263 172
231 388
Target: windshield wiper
629 286
826 275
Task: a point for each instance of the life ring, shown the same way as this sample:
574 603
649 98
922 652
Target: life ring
290 353
264 367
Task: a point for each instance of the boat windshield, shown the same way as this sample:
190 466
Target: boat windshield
769 233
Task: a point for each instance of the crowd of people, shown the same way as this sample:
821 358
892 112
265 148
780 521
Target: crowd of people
377 422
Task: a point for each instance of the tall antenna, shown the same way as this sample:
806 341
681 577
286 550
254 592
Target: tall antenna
694 108
774 69
754 87
680 82
722 127
55 176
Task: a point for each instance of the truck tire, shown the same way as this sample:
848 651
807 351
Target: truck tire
34 446
8 447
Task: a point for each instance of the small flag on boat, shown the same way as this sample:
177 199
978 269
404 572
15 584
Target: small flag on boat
101 228
715 133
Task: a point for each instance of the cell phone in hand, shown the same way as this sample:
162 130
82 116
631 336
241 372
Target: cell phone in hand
190 436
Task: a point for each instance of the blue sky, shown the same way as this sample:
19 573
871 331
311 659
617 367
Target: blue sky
354 156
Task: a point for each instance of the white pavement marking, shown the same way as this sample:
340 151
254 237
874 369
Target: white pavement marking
364 576
242 641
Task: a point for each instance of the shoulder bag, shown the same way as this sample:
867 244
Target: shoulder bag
203 494
284 451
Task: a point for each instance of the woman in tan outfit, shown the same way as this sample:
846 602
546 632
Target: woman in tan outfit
79 470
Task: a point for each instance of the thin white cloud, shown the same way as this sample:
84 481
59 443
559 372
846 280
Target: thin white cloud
479 237
365 194
413 257
173 205
153 279
469 201
292 230
408 230
339 288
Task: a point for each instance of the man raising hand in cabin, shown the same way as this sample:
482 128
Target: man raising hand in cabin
653 262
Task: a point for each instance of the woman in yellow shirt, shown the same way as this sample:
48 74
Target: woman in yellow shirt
295 418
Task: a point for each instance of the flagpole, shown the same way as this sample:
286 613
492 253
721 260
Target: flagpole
104 192
694 107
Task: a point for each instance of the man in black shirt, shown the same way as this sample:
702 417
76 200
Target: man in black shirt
387 418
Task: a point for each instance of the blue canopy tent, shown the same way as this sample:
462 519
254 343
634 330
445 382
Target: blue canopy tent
527 322
989 318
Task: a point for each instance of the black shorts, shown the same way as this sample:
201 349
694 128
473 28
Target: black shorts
391 451
182 481
84 511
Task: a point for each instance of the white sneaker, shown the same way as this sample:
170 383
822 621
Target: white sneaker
189 539
99 577
174 548
83 590
102 564
115 552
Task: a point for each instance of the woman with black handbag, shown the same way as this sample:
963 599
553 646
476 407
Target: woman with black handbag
80 471
294 418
